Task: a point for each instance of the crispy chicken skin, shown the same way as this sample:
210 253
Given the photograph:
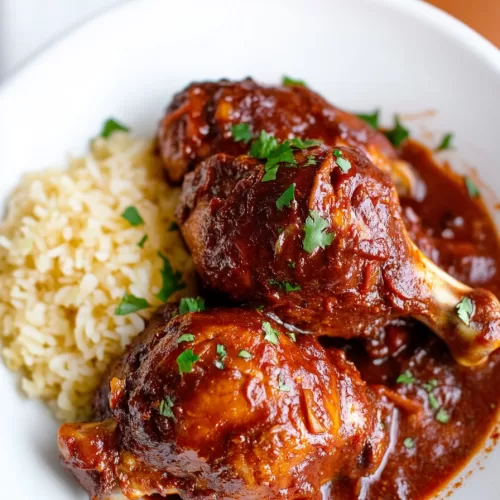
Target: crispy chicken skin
278 423
199 119
246 247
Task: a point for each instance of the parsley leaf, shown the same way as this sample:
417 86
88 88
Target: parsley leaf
221 352
186 337
132 216
185 361
166 406
433 401
245 354
343 163
371 119
171 282
472 189
445 143
143 240
241 132
270 334
283 153
282 386
292 336
398 134
285 285
405 378
310 161
130 303
288 81
190 304
409 443
442 416
315 232
285 200
261 148
299 143
110 126
465 310
431 385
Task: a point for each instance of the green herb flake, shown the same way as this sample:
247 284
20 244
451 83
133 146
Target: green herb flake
405 378
143 240
282 386
299 143
290 82
409 443
292 264
185 360
270 334
371 119
343 163
171 282
245 354
315 232
222 353
285 200
284 285
398 134
186 337
431 385
166 406
190 304
472 189
132 216
241 132
261 148
111 126
433 401
173 226
445 142
259 308
283 153
442 416
130 304
310 161
292 336
465 310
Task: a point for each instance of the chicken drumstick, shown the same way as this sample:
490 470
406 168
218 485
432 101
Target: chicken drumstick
227 404
323 246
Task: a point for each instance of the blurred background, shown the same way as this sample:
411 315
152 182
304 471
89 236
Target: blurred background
27 26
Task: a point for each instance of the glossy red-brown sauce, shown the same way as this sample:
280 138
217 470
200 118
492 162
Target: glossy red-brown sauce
459 236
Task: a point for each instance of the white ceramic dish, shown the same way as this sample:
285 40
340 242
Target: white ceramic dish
402 56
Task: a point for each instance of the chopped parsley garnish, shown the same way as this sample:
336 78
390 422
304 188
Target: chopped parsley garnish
245 354
110 126
171 282
371 119
433 401
285 285
442 416
292 336
143 240
190 304
288 81
259 308
472 189
282 386
270 334
405 378
166 406
310 161
315 232
398 134
130 304
241 132
431 385
132 216
343 163
263 146
173 226
221 352
465 310
299 143
185 337
445 142
185 361
292 264
409 443
285 200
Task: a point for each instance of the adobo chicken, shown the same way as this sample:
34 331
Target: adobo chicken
226 404
199 122
323 245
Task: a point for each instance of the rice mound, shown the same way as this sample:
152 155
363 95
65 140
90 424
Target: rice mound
67 257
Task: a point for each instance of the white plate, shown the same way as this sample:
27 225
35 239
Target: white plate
403 56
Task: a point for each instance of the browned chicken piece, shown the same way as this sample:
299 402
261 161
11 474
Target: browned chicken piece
226 404
199 121
323 246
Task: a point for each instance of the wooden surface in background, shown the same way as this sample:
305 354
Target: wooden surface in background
481 15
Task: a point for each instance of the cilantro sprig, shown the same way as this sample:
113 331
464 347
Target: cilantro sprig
285 200
315 232
284 285
191 304
370 118
398 134
171 281
130 304
185 360
465 310
271 335
343 163
241 132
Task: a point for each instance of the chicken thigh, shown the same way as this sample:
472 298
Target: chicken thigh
226 404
